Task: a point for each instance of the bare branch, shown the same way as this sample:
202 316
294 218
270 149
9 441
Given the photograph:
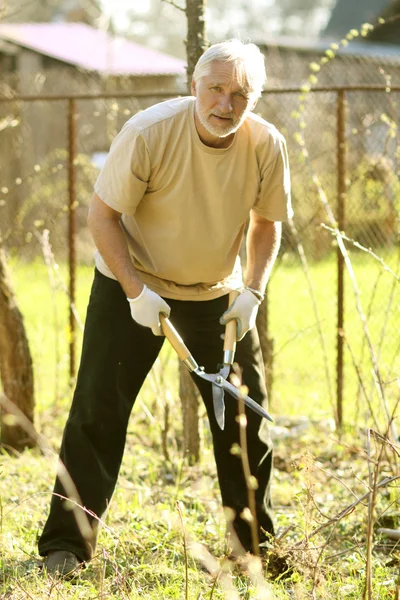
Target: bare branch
340 234
174 5
349 509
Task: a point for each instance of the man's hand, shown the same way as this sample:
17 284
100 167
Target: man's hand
244 310
146 309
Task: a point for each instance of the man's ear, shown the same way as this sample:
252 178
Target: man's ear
193 87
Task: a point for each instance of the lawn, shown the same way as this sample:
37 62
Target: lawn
161 501
302 359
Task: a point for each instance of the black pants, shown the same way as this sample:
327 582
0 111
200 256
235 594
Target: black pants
117 355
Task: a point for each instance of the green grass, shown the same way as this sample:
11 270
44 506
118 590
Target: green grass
300 362
317 474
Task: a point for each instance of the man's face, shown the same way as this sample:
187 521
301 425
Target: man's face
222 104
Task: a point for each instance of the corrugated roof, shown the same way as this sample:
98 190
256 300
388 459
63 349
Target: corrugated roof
389 52
351 14
91 49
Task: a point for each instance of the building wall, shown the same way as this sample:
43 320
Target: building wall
34 135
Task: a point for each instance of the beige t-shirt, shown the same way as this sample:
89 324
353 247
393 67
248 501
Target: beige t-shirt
184 205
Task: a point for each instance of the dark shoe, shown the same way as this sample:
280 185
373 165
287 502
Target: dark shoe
61 562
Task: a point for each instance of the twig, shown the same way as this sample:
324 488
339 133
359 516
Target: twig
386 441
103 575
251 482
371 507
214 585
199 552
343 552
364 323
391 424
392 428
387 312
315 567
337 479
49 261
395 503
371 502
80 512
163 395
164 433
179 509
343 236
60 282
349 509
298 333
363 346
373 357
22 588
175 5
306 270
395 380
338 235
64 476
56 584
360 379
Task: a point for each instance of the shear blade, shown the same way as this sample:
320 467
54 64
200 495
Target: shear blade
231 389
219 405
218 381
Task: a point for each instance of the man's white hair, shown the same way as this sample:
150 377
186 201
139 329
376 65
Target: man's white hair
248 62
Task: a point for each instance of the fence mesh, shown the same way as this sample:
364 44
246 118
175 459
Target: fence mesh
35 175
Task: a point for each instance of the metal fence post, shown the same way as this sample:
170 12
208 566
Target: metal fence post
341 220
71 229
341 96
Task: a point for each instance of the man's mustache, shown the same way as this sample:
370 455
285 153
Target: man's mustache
222 115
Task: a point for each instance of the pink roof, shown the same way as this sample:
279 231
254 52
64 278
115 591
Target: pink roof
91 49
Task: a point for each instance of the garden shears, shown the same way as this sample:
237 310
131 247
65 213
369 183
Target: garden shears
216 379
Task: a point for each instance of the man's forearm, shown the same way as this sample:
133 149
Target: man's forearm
112 245
262 243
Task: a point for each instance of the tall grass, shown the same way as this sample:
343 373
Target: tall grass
300 385
164 533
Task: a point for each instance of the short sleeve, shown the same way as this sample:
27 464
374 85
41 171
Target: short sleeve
274 198
123 179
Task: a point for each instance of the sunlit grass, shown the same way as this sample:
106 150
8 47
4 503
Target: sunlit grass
299 362
140 552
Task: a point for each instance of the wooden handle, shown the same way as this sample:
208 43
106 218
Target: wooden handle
174 338
230 327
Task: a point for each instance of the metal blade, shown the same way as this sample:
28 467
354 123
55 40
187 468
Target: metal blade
224 372
218 381
219 405
233 391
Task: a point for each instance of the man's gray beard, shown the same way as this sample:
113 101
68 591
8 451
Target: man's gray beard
216 131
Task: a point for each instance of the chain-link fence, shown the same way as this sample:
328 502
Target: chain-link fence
333 299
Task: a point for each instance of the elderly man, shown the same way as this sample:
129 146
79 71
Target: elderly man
168 216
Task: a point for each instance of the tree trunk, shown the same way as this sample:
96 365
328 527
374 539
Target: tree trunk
190 415
196 44
266 342
16 369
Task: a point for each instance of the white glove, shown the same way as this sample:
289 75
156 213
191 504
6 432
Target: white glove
146 309
244 309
